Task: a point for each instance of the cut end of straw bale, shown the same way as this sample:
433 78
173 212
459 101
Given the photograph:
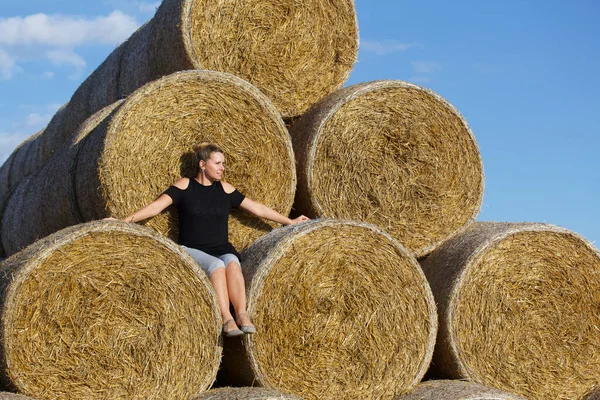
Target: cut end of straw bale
392 154
245 393
523 314
294 52
108 310
456 390
150 140
343 311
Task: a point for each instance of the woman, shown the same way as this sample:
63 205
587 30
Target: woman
203 204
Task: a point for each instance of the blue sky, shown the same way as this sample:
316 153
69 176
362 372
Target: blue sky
525 74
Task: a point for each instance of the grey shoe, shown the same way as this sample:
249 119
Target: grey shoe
234 332
247 329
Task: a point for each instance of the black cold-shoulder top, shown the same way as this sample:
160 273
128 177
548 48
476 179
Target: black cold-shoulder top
203 216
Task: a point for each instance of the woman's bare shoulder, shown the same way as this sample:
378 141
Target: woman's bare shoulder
227 187
182 183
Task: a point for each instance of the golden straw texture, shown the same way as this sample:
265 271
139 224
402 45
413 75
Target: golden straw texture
518 307
342 310
392 154
107 310
45 201
245 393
456 390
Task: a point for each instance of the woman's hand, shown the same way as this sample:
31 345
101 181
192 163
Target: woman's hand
109 219
299 219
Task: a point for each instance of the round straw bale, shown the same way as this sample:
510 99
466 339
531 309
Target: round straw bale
518 307
245 393
392 154
342 311
146 144
456 390
45 201
294 52
107 310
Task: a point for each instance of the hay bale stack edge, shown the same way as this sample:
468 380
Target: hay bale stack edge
518 309
107 310
343 311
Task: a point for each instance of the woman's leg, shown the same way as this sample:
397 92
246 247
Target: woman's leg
215 269
236 289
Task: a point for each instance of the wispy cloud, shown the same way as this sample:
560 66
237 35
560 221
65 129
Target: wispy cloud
383 47
55 37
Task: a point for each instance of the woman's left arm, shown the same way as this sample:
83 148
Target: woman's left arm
262 211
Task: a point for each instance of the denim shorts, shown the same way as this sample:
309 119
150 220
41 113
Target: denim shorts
210 263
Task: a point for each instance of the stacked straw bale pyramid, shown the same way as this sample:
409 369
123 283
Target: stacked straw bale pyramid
391 280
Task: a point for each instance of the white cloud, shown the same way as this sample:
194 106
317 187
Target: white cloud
383 47
425 67
55 37
48 75
65 31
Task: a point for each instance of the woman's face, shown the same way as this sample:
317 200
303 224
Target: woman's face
214 166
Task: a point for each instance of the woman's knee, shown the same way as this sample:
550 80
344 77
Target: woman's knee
230 261
215 266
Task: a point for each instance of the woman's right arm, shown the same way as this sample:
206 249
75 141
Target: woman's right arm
158 205
151 210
